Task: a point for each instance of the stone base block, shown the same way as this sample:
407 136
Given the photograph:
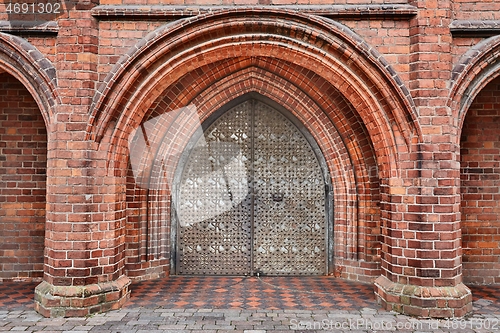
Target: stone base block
427 302
79 301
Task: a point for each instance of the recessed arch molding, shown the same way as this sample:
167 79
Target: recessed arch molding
334 51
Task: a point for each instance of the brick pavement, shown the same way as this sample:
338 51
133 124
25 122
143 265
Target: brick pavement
272 293
140 316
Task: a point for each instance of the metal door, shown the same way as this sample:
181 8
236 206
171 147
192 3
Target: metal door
251 198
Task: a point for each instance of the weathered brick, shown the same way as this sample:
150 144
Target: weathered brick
383 90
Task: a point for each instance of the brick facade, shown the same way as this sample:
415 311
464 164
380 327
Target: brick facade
402 99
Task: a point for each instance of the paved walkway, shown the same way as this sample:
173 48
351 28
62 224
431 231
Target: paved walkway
251 306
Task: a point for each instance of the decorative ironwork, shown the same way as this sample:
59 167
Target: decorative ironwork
214 206
289 234
251 198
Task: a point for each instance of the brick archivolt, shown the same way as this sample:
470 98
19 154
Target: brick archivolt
323 47
476 68
27 64
338 86
348 160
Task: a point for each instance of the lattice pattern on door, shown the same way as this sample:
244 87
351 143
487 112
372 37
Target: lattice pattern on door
251 198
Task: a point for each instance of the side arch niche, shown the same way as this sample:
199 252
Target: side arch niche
475 102
27 98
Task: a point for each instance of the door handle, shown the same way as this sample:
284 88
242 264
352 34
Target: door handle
278 197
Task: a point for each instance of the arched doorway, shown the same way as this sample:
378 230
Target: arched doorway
251 196
357 111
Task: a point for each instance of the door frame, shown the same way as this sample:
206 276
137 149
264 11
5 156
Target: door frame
329 191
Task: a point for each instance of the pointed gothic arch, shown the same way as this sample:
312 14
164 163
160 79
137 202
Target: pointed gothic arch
321 67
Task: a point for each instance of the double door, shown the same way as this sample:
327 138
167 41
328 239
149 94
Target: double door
251 198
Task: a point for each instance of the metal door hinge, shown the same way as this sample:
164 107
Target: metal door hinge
328 189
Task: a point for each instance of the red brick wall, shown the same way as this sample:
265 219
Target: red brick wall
23 160
392 38
116 38
476 10
480 180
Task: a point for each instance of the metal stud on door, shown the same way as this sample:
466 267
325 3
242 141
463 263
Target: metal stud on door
251 198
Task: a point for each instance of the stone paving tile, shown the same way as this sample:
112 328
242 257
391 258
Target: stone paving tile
248 322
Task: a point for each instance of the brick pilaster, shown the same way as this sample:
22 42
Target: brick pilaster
83 270
422 262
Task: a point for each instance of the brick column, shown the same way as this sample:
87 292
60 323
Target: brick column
83 271
422 258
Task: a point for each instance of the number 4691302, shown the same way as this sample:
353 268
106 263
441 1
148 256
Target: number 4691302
33 8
